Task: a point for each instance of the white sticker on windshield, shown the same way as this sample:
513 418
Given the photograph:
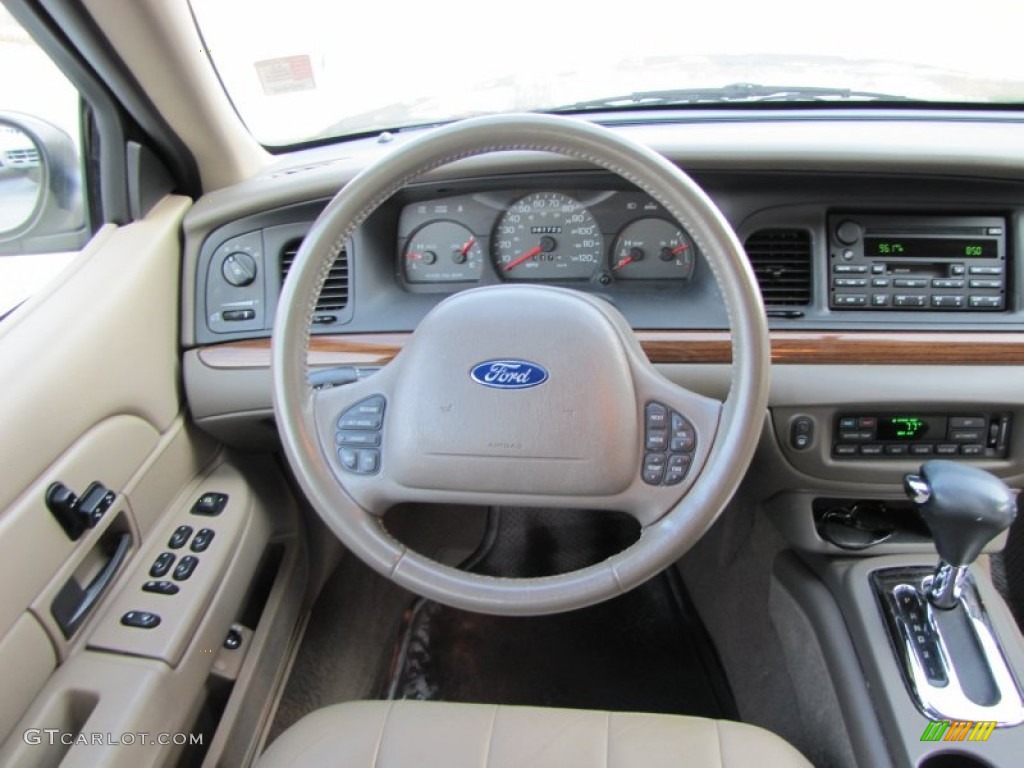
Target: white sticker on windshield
286 75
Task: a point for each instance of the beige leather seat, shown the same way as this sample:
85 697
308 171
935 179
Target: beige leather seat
415 734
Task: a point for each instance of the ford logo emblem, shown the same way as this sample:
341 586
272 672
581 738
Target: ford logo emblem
509 374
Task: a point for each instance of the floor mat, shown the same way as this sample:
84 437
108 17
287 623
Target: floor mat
643 651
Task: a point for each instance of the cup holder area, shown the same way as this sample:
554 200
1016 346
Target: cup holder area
954 760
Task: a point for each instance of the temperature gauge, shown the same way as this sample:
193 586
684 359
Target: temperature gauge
442 252
653 249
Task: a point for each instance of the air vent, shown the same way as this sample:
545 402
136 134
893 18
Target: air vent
334 295
781 259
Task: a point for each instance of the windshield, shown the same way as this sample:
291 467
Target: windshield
299 70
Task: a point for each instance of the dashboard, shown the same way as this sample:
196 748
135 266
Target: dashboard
893 287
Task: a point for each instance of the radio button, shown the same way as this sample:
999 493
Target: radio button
878 269
910 282
897 449
986 302
849 282
994 231
947 449
957 270
871 450
986 270
880 300
903 300
972 450
849 269
986 283
947 283
968 435
948 301
845 449
850 300
880 282
921 449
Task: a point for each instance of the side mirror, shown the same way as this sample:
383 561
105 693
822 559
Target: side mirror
41 202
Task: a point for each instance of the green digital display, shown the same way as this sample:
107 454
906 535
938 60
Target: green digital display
929 248
902 428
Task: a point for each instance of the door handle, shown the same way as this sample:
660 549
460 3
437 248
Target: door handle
73 603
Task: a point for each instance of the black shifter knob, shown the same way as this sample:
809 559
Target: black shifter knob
963 506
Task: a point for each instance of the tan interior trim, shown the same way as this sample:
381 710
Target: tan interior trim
788 348
154 39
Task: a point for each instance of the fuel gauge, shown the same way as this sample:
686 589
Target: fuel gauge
652 249
442 252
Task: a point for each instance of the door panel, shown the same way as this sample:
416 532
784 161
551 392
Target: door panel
91 393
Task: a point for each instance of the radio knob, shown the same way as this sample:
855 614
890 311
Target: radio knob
848 232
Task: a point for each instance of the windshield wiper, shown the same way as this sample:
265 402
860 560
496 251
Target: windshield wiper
734 92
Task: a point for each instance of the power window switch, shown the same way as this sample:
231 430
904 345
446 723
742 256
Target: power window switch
179 537
140 619
161 565
202 540
185 567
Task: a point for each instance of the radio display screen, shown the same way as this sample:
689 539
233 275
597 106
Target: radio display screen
929 248
902 427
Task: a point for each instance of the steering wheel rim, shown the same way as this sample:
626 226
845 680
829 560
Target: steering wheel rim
302 414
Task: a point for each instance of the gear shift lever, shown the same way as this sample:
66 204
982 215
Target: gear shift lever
965 508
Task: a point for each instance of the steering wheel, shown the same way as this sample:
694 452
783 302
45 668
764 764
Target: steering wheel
521 395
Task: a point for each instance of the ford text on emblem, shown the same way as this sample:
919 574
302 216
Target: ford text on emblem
509 374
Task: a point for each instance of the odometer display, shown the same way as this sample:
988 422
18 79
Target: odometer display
547 236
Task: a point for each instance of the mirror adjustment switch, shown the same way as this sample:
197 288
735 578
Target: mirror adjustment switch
185 567
210 504
140 619
202 540
180 537
162 565
161 587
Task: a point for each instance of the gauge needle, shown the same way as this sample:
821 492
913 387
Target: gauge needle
525 257
678 250
623 262
414 256
468 244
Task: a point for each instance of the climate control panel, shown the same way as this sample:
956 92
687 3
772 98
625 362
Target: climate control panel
967 435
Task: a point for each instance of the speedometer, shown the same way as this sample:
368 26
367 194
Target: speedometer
547 236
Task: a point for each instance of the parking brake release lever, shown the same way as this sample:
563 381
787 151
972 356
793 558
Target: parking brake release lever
965 508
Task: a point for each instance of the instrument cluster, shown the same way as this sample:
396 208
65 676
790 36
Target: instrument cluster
557 236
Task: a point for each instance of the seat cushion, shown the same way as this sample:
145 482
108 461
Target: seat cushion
416 734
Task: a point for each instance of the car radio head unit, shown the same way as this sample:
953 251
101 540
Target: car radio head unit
917 263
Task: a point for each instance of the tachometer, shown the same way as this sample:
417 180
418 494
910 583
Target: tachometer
547 236
443 252
652 249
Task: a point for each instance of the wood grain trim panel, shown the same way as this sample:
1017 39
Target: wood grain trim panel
788 348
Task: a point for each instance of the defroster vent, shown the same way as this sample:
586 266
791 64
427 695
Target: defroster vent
334 295
781 259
